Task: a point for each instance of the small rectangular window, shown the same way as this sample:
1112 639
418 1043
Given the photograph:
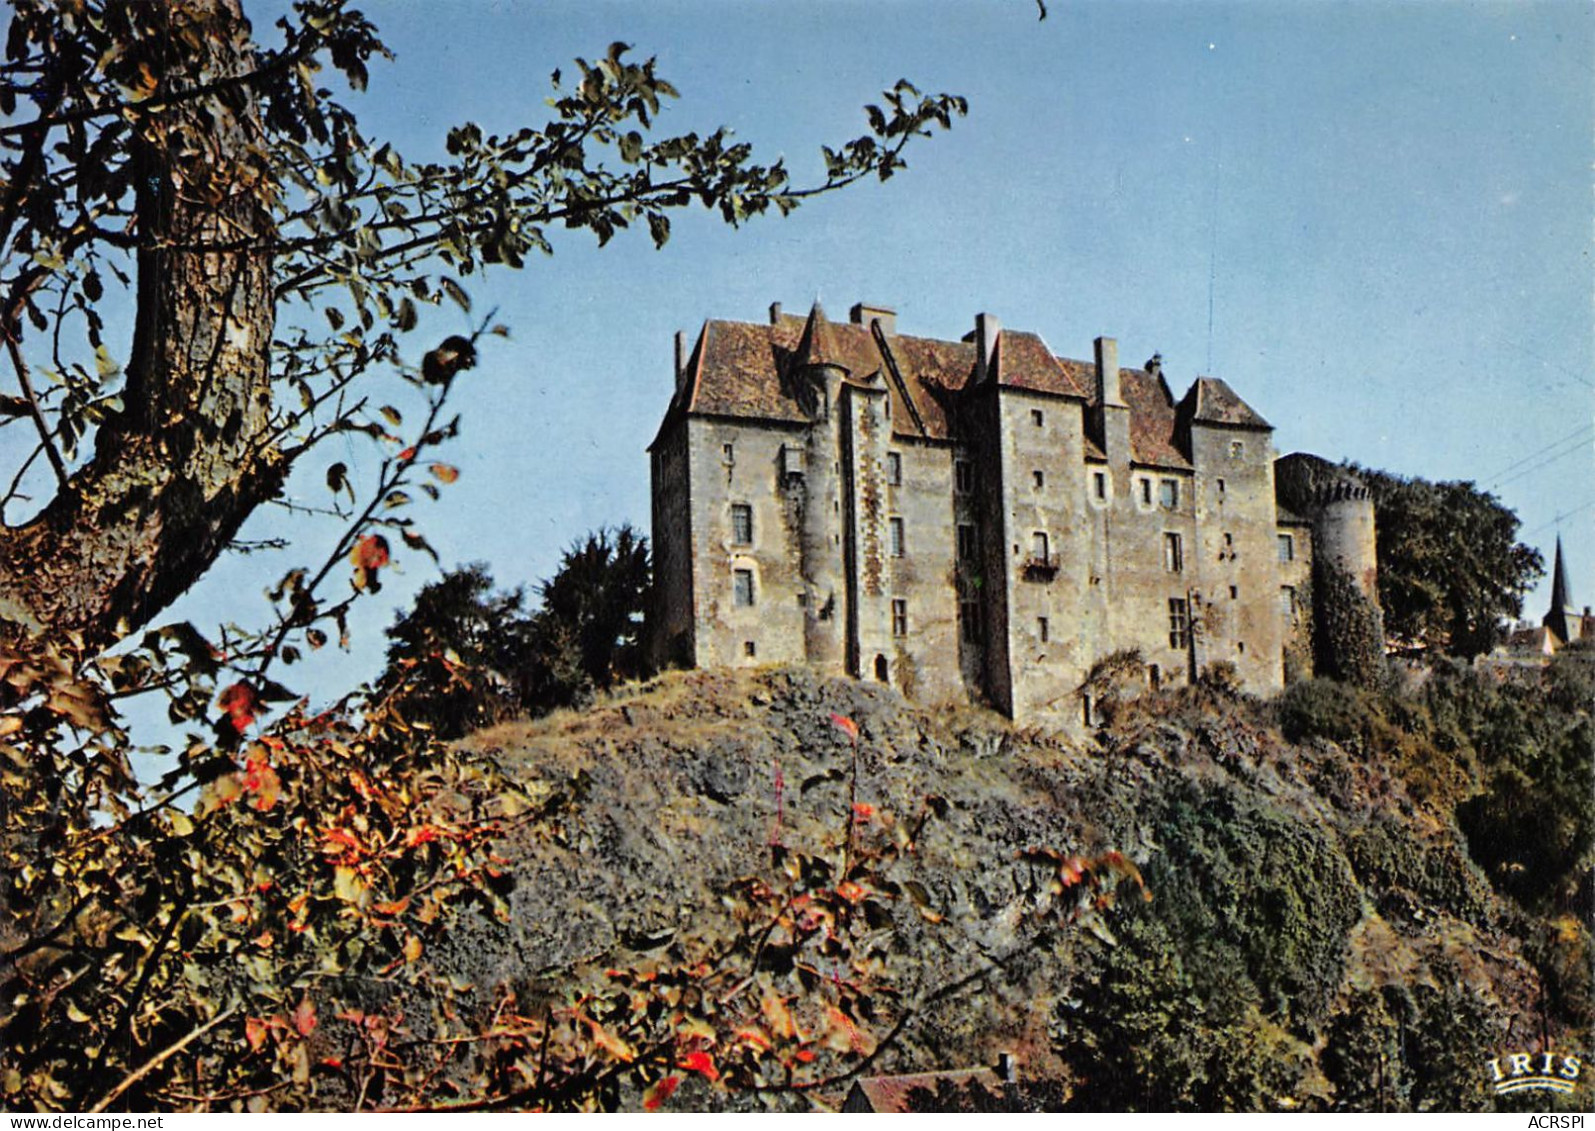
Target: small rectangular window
1236 449
1179 623
742 580
1221 490
969 621
1039 546
899 616
1099 484
1169 494
1039 479
728 452
1234 592
1287 548
749 649
963 476
1173 553
1036 418
966 542
741 524
1146 492
895 527
894 469
1287 602
1042 629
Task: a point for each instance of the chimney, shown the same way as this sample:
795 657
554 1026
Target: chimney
775 313
987 331
1154 365
864 314
1108 372
681 359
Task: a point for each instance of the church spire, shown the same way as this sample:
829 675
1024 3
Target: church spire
1563 614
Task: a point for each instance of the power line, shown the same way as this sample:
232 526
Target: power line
1575 434
1557 521
1541 465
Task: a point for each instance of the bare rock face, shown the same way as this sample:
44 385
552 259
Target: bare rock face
1289 882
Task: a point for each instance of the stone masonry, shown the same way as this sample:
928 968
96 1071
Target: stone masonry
970 520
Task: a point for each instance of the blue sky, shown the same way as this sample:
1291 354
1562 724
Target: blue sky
1372 219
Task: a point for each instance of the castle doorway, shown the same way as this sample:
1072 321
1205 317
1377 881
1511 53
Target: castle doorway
882 672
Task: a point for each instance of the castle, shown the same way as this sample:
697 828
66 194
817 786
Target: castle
980 519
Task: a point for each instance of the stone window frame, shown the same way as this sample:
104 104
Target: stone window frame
899 617
1040 546
744 588
741 535
1179 623
1288 608
1043 629
1173 552
1100 488
1237 449
750 649
1168 493
1038 480
1144 495
894 469
1038 418
963 477
896 536
1287 547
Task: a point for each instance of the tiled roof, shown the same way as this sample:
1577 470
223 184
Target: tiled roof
1214 402
891 1093
749 369
1025 362
1154 424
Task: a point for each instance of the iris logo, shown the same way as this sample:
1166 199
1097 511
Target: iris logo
1521 1072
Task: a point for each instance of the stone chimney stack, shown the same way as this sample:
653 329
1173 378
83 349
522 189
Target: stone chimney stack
775 313
987 331
681 359
1108 372
864 314
1109 418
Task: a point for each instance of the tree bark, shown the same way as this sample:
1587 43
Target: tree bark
175 475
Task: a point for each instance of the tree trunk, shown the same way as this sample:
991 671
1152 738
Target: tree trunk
176 474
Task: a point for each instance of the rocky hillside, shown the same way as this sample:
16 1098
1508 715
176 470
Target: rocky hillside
1318 935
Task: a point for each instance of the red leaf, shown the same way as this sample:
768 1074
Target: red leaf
846 725
444 472
261 780
655 1096
701 1062
240 703
862 811
370 553
254 1032
304 1017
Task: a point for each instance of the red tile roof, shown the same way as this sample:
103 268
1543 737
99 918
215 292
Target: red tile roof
750 370
1154 423
1213 402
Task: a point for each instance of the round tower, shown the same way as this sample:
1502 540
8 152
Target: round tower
1348 627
